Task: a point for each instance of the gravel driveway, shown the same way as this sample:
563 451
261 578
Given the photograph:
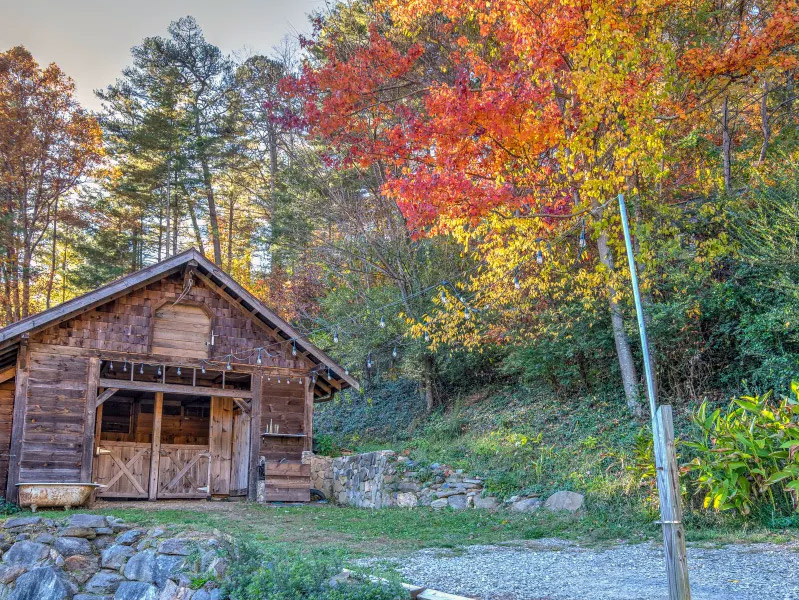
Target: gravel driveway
560 570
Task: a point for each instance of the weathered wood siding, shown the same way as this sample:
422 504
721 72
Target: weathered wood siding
6 412
52 435
124 325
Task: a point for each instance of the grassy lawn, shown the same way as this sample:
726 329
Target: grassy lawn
391 532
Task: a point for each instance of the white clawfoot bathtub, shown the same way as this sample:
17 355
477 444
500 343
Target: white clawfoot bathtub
46 495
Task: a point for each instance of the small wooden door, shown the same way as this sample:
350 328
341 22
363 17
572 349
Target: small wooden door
239 474
220 442
123 468
183 471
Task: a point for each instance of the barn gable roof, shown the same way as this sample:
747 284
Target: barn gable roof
208 272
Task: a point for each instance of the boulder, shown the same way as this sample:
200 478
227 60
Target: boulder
486 502
81 568
115 557
39 584
407 500
44 538
179 546
563 500
167 566
21 522
84 520
70 546
136 590
439 504
130 537
26 554
218 567
104 582
79 532
458 502
141 567
526 505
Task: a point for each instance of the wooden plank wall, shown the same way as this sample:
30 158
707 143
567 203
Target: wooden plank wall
221 444
52 435
6 412
239 471
287 479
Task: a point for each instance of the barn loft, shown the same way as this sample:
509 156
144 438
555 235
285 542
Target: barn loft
149 386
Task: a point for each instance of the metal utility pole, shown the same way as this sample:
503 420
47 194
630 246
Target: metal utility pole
668 477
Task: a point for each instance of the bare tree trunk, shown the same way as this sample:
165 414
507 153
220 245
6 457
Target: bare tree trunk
764 124
230 236
168 221
160 230
51 274
198 236
64 275
629 377
428 365
175 224
26 279
209 193
726 145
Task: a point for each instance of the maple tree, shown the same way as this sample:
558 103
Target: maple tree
48 145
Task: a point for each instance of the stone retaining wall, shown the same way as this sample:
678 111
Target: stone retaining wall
92 557
382 479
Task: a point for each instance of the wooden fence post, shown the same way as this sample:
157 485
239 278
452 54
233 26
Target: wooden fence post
668 480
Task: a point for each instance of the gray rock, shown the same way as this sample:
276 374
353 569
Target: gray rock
104 582
526 505
21 522
439 504
486 502
563 500
136 590
70 546
218 567
458 502
78 532
408 486
407 500
179 546
39 584
103 541
27 554
104 530
115 557
167 566
91 597
44 538
84 520
141 567
130 537
9 573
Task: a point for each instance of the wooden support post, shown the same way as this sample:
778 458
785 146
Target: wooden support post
89 415
156 446
255 436
308 430
18 419
668 479
98 426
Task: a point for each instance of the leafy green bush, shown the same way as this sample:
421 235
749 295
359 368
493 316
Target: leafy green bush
291 575
749 454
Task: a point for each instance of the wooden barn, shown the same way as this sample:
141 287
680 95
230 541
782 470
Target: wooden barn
172 382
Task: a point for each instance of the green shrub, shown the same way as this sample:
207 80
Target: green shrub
291 575
749 454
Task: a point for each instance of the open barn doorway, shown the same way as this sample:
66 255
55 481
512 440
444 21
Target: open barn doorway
156 445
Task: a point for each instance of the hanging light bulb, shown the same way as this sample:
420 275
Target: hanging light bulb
110 365
278 379
294 348
178 371
539 257
382 323
228 364
258 360
288 381
443 297
125 367
335 336
394 353
516 283
141 369
159 370
269 378
299 381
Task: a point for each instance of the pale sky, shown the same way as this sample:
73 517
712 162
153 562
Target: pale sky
91 39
